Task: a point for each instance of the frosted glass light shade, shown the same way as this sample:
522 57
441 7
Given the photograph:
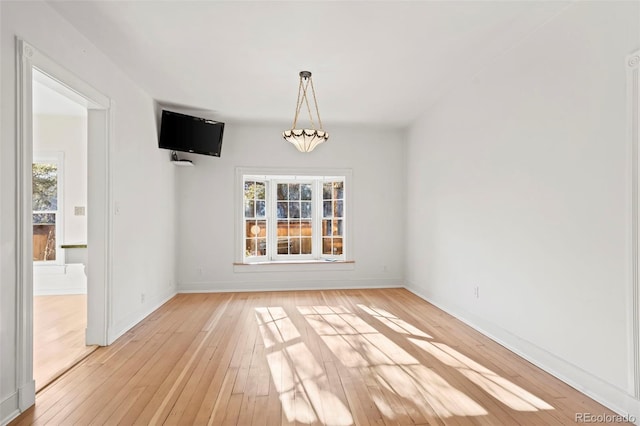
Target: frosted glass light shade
305 140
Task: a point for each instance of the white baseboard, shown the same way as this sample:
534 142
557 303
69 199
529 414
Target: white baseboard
60 291
253 286
27 395
599 390
16 403
126 324
9 409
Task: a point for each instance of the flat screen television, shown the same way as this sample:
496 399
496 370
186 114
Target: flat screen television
185 133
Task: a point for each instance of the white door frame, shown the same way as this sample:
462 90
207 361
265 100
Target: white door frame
98 201
633 97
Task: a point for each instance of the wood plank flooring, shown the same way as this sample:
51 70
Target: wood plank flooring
59 324
364 357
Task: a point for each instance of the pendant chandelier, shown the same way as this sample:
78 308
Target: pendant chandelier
305 140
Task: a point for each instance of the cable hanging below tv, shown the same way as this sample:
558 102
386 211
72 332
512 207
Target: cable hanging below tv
180 162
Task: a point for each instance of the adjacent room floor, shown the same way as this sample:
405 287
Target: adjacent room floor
59 324
315 357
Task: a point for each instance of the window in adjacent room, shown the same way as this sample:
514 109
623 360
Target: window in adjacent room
47 215
293 218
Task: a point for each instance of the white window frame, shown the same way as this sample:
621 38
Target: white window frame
292 176
56 158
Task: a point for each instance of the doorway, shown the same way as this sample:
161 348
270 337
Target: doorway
31 64
59 201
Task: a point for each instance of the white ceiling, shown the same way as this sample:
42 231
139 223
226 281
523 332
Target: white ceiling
382 62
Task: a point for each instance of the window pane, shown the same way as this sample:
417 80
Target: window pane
337 227
283 210
248 190
326 246
283 191
294 191
283 246
337 246
262 228
294 228
337 209
294 209
326 228
305 228
326 209
306 245
326 191
260 191
44 242
305 210
294 246
249 208
338 190
256 228
250 247
45 187
248 224
48 218
305 191
283 228
262 247
260 208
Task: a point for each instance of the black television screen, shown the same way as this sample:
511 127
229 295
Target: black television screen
180 132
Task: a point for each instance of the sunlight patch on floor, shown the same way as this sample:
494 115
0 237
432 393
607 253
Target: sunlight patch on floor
397 383
493 384
359 345
301 382
394 323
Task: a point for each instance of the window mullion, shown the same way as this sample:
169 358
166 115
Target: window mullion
317 218
272 220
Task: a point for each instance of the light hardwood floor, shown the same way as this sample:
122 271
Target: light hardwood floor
317 357
59 324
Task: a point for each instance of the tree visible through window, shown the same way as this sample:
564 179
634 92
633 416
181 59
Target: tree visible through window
45 211
293 218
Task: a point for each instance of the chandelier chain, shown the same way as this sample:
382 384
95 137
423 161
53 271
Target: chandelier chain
298 105
315 101
306 99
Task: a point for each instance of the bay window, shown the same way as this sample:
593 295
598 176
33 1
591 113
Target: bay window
289 218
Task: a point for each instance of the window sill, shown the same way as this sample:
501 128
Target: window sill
287 266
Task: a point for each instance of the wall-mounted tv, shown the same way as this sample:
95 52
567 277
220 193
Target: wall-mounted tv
185 133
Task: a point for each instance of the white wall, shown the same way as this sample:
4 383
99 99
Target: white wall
207 193
141 177
519 183
67 134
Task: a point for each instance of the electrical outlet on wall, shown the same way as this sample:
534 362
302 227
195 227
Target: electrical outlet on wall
476 292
